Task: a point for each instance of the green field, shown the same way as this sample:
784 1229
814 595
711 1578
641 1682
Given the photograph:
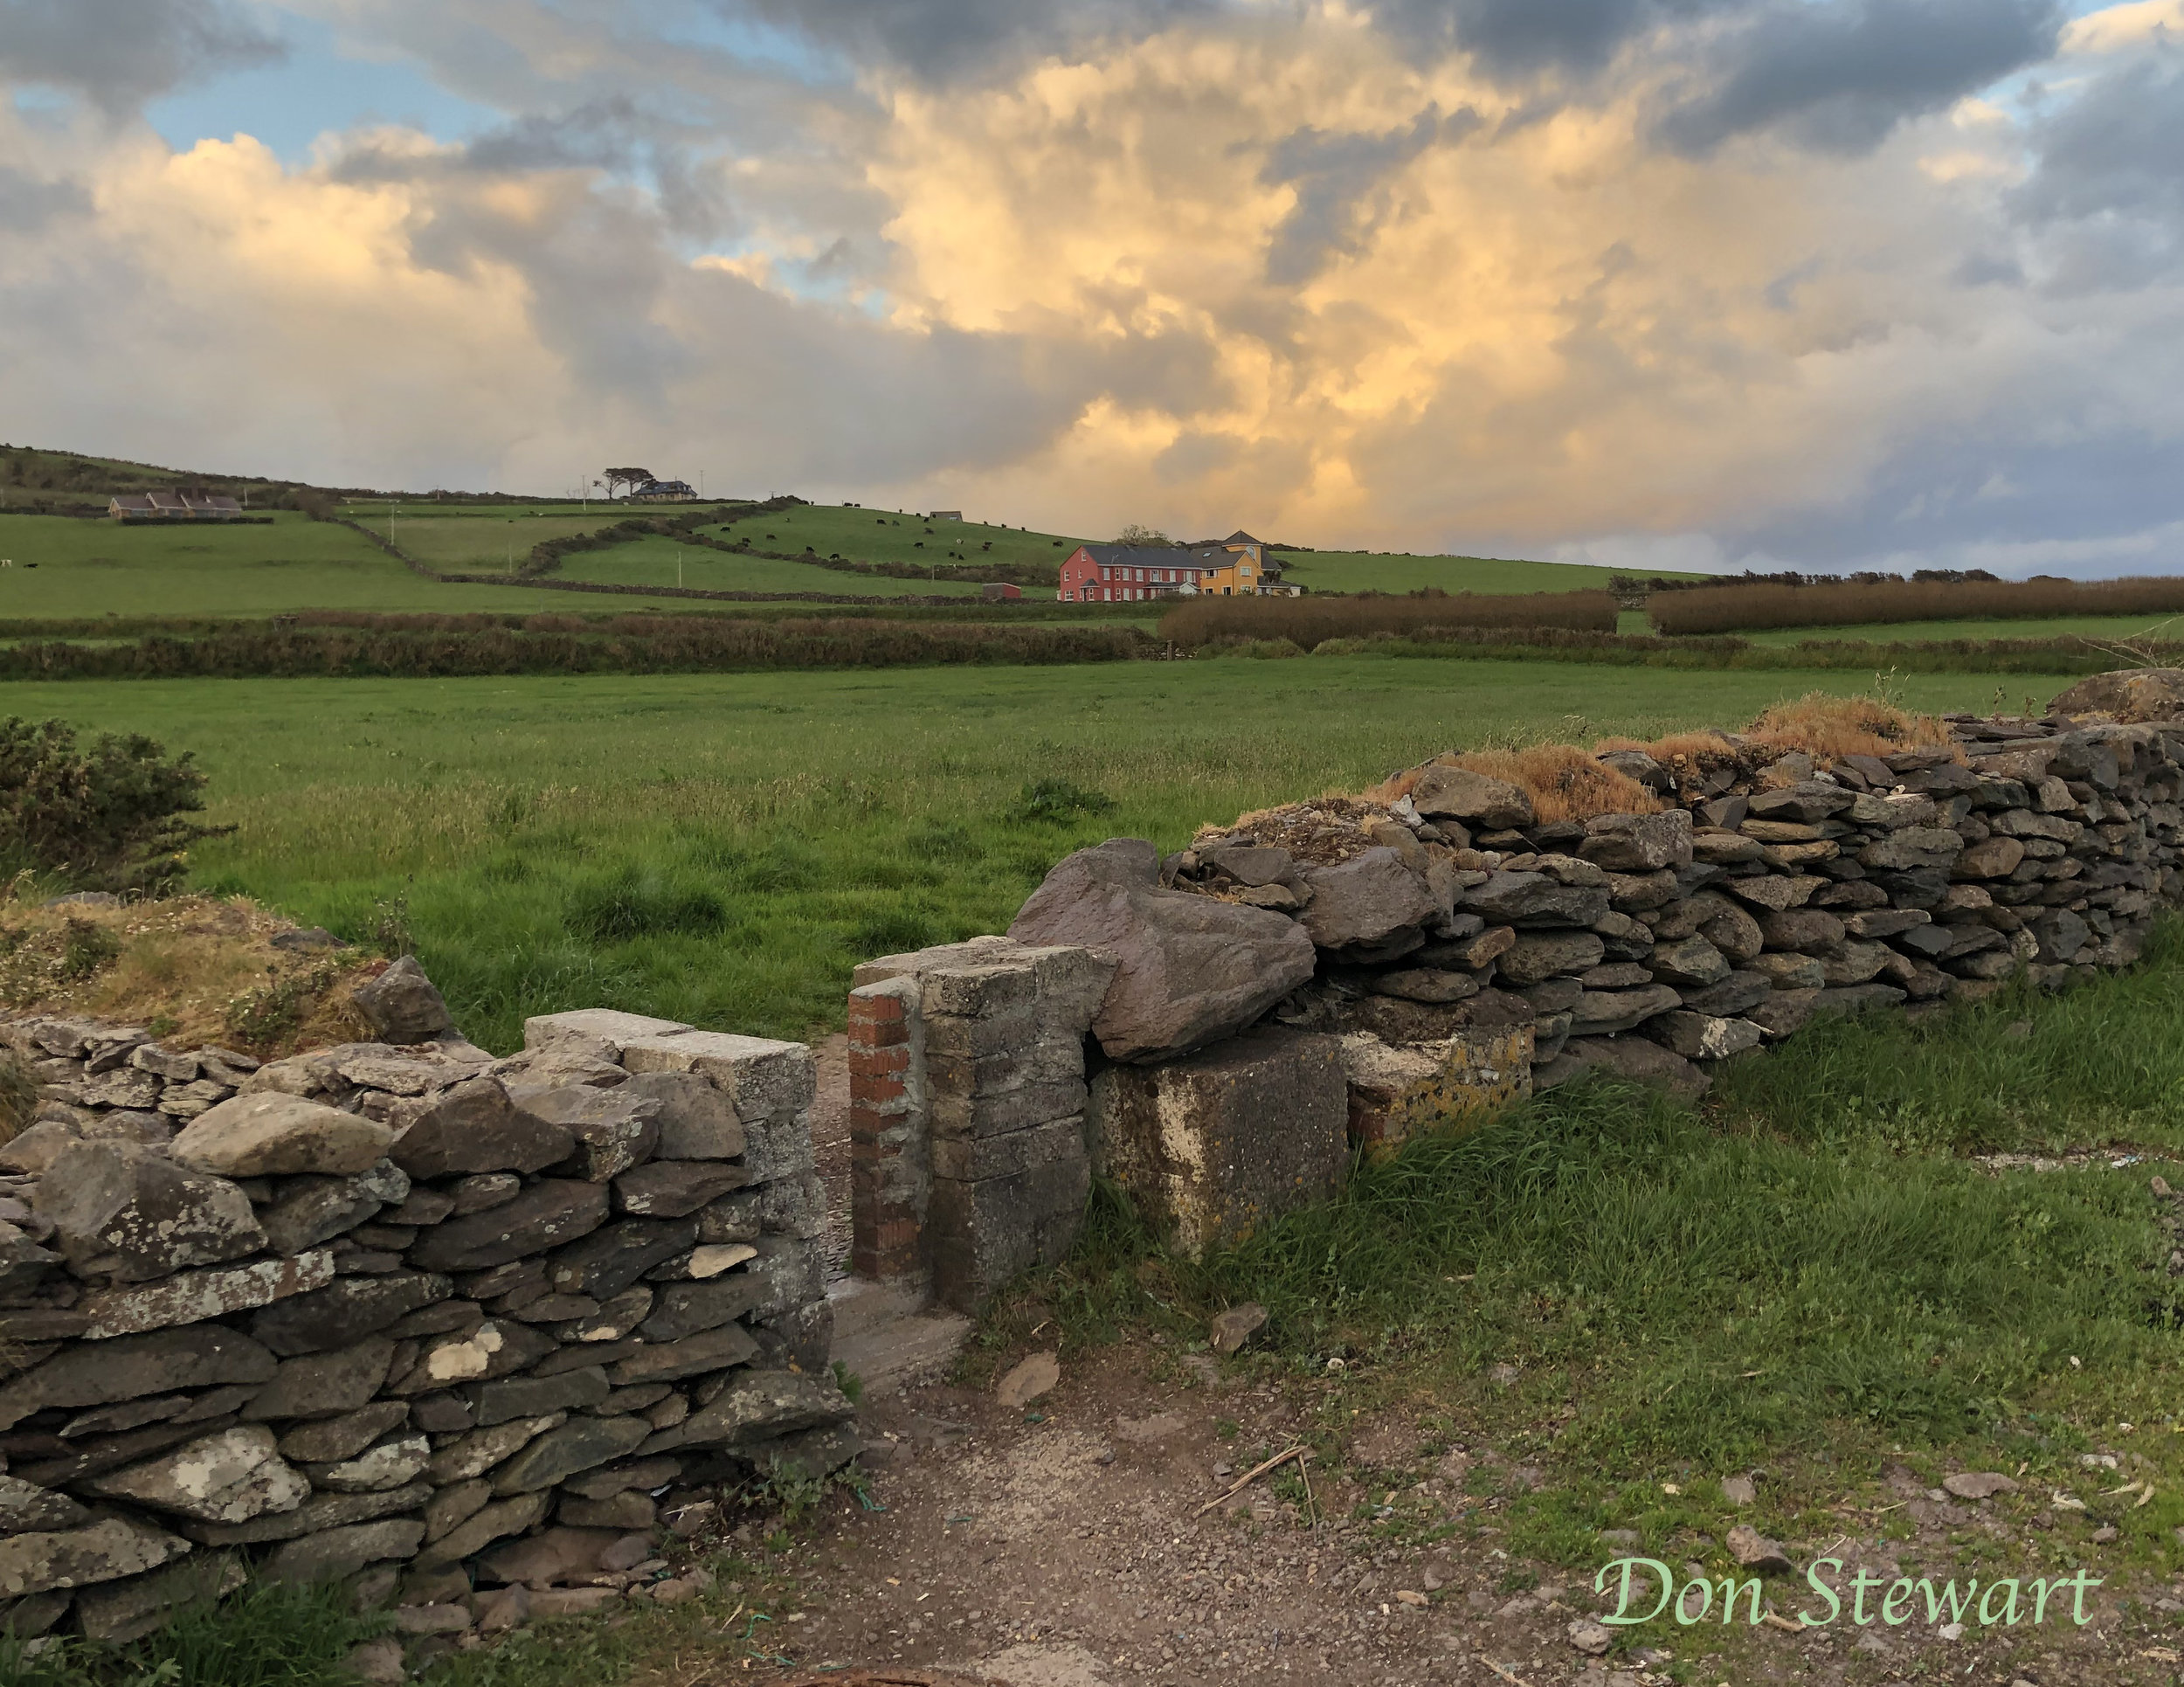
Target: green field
2105 628
888 535
1366 570
90 569
481 541
662 562
832 816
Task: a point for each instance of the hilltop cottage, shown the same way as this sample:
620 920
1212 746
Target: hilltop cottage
172 507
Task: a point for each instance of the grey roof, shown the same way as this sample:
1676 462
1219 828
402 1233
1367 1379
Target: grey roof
1157 557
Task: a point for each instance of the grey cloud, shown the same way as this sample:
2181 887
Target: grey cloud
1333 176
1983 269
2118 148
946 40
2089 476
120 53
1524 37
1839 75
27 204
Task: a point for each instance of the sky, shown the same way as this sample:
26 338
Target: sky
1821 284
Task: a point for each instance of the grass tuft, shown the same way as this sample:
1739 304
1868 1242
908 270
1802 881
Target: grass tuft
636 902
1810 1262
266 1635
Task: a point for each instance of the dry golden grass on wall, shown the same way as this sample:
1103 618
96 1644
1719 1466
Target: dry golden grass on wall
1564 782
194 970
1751 608
1822 724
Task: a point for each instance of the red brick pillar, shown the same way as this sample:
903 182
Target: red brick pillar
890 1176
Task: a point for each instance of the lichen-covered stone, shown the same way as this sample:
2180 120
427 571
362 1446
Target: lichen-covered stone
192 1296
128 1212
105 1551
229 1477
271 1135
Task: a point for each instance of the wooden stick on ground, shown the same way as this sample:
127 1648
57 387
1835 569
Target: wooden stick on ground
1311 1509
1500 1671
1249 1477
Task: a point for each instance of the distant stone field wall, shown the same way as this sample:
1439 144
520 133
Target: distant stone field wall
398 1313
1219 1030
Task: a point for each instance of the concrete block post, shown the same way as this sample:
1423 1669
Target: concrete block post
1214 1145
967 1097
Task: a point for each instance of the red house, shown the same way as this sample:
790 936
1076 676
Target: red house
1120 574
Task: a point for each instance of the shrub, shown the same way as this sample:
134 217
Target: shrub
114 817
1340 647
87 950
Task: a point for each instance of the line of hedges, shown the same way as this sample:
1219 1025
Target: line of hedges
625 645
1311 621
608 588
1751 607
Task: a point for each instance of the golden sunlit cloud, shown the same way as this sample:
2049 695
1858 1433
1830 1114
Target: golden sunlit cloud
1268 265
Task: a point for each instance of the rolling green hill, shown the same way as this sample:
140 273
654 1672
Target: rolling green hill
1367 570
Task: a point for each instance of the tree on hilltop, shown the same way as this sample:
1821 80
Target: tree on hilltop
631 478
1138 533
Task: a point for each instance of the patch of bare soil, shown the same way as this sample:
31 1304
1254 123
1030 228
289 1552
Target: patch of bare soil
1064 1546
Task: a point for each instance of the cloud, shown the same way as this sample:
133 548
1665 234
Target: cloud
2115 29
947 40
1524 38
2117 150
1333 176
27 204
1841 73
1730 279
119 54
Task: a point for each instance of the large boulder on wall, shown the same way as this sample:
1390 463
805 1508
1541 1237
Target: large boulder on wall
2129 696
1190 969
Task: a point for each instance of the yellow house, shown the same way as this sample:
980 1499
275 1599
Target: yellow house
1245 572
1238 579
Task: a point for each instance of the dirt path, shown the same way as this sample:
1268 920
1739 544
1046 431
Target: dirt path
1060 1547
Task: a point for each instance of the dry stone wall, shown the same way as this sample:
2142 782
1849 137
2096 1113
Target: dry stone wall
400 1313
1448 950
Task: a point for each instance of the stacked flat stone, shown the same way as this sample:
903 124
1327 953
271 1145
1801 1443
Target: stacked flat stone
1768 890
398 1313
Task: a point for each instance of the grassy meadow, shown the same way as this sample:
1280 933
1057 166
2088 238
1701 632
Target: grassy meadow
723 848
89 568
2106 629
894 536
662 562
1367 570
